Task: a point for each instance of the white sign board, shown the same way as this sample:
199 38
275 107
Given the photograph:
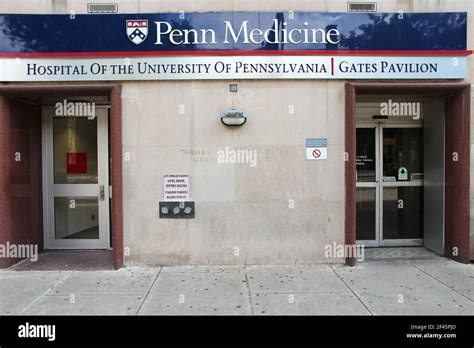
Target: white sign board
176 187
232 67
316 149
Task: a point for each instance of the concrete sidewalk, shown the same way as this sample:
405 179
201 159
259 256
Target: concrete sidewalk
436 286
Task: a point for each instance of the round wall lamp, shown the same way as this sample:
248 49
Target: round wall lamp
233 117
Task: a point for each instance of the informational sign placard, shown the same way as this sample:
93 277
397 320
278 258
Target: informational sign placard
235 67
231 33
316 148
176 187
402 174
232 45
177 210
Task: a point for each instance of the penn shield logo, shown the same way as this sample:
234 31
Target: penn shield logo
137 30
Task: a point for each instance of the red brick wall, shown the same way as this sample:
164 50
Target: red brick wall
456 230
20 181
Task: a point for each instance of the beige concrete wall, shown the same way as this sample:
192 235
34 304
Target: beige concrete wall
283 210
254 200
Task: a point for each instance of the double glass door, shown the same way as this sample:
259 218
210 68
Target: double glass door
389 197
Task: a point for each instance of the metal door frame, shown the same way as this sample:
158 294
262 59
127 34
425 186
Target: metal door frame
375 184
382 184
51 190
379 185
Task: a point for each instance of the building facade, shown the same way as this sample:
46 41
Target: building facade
356 129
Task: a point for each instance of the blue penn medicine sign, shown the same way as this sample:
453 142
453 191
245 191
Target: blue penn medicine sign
232 45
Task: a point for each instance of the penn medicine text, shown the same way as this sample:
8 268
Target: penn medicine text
277 34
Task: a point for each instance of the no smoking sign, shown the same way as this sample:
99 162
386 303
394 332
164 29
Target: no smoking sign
316 153
316 148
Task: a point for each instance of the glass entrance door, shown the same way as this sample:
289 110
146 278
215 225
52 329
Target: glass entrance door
368 190
389 197
402 191
75 180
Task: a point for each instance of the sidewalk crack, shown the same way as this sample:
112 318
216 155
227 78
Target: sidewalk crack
44 294
439 281
149 290
353 292
247 281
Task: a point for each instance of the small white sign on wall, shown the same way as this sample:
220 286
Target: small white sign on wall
316 148
176 187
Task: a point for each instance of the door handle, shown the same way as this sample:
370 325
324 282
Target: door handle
101 192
